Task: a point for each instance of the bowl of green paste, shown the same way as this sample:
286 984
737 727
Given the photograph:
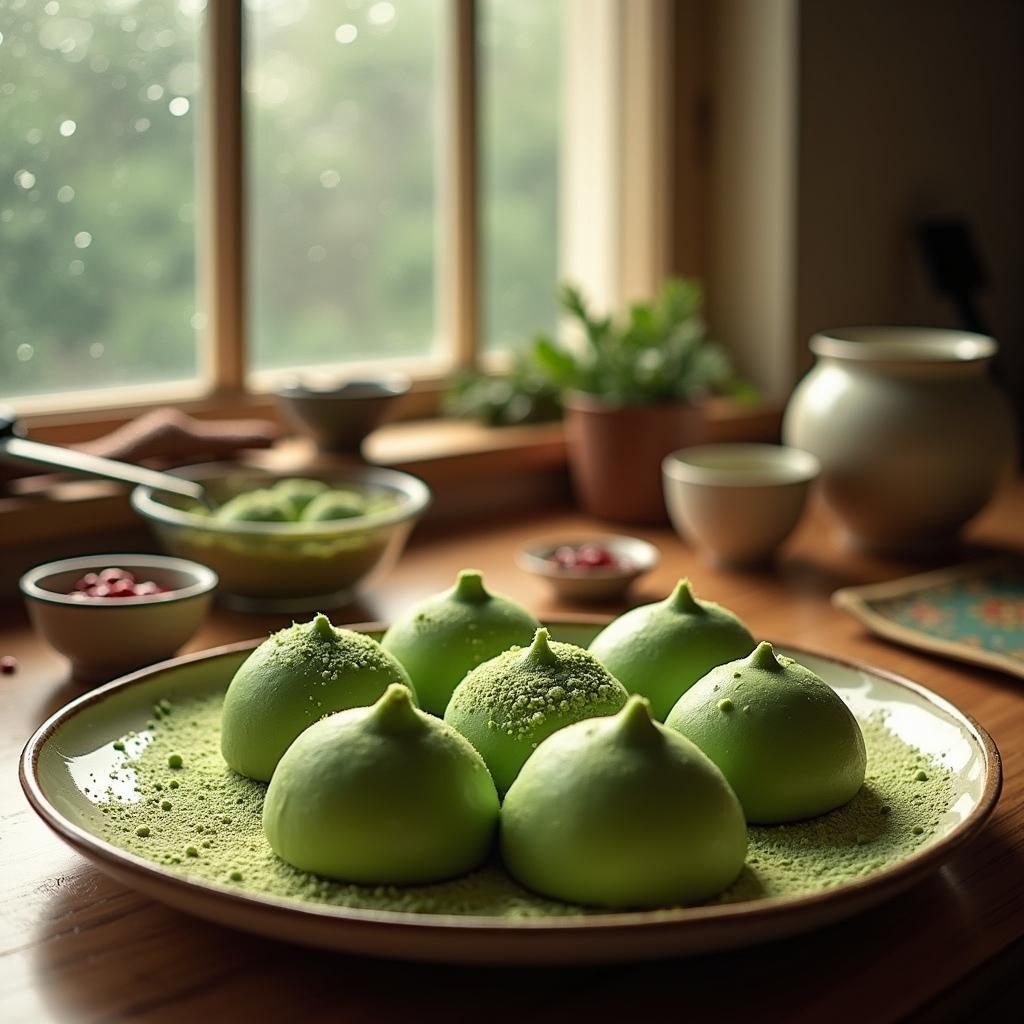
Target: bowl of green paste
280 542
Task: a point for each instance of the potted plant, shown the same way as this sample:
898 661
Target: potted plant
632 390
521 395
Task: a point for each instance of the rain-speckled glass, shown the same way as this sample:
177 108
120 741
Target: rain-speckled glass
520 109
97 194
342 109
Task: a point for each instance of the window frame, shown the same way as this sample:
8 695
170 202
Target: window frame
627 44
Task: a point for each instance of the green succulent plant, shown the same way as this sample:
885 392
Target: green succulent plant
658 352
521 395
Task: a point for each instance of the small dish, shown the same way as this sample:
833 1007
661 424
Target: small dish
105 636
339 416
632 558
736 503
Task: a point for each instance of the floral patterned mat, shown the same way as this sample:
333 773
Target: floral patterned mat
974 612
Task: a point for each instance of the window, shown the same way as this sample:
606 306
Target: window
349 177
348 181
343 101
98 103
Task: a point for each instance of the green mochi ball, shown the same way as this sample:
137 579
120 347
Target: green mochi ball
445 636
384 795
785 740
507 705
622 812
294 678
260 506
660 650
334 505
298 492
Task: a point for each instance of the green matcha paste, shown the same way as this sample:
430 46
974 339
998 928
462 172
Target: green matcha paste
197 817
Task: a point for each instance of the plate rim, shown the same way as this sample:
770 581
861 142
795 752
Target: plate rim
101 852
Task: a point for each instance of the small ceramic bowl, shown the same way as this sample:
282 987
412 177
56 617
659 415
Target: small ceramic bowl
338 417
633 558
736 503
107 636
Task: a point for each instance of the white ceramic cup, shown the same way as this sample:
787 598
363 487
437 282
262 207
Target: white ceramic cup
737 503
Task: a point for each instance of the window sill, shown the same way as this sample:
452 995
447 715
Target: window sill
442 452
469 466
62 427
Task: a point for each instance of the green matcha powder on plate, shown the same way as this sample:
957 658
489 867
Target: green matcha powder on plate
213 831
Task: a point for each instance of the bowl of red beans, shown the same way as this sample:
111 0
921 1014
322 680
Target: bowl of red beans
111 614
589 569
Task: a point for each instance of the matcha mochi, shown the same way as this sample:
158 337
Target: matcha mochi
260 506
507 705
294 678
293 500
299 492
441 639
785 740
332 505
660 650
622 812
382 795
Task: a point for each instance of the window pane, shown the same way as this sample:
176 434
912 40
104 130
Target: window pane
520 109
97 196
343 139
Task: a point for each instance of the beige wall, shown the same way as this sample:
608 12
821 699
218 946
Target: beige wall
888 111
752 186
908 109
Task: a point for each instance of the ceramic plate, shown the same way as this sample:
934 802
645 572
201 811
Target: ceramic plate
971 612
77 740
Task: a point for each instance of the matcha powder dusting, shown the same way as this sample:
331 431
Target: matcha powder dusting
211 828
318 645
896 811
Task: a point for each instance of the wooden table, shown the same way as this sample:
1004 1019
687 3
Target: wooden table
75 945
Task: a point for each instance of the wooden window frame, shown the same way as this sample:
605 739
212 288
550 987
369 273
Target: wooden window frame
614 241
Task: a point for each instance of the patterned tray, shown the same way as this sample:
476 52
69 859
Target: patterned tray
971 612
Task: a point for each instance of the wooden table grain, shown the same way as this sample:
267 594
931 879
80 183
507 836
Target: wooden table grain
77 946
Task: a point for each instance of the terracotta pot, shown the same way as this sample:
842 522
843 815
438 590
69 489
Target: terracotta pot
615 454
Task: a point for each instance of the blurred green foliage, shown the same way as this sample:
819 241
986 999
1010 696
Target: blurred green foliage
521 395
346 191
342 148
97 259
659 351
344 182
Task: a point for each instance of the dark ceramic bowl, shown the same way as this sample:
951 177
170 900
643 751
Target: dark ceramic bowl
338 418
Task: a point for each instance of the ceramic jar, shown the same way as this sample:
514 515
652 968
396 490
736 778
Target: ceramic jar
911 432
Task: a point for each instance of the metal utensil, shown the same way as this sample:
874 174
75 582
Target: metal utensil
15 445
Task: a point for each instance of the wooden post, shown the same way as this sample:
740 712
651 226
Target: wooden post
222 194
461 269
